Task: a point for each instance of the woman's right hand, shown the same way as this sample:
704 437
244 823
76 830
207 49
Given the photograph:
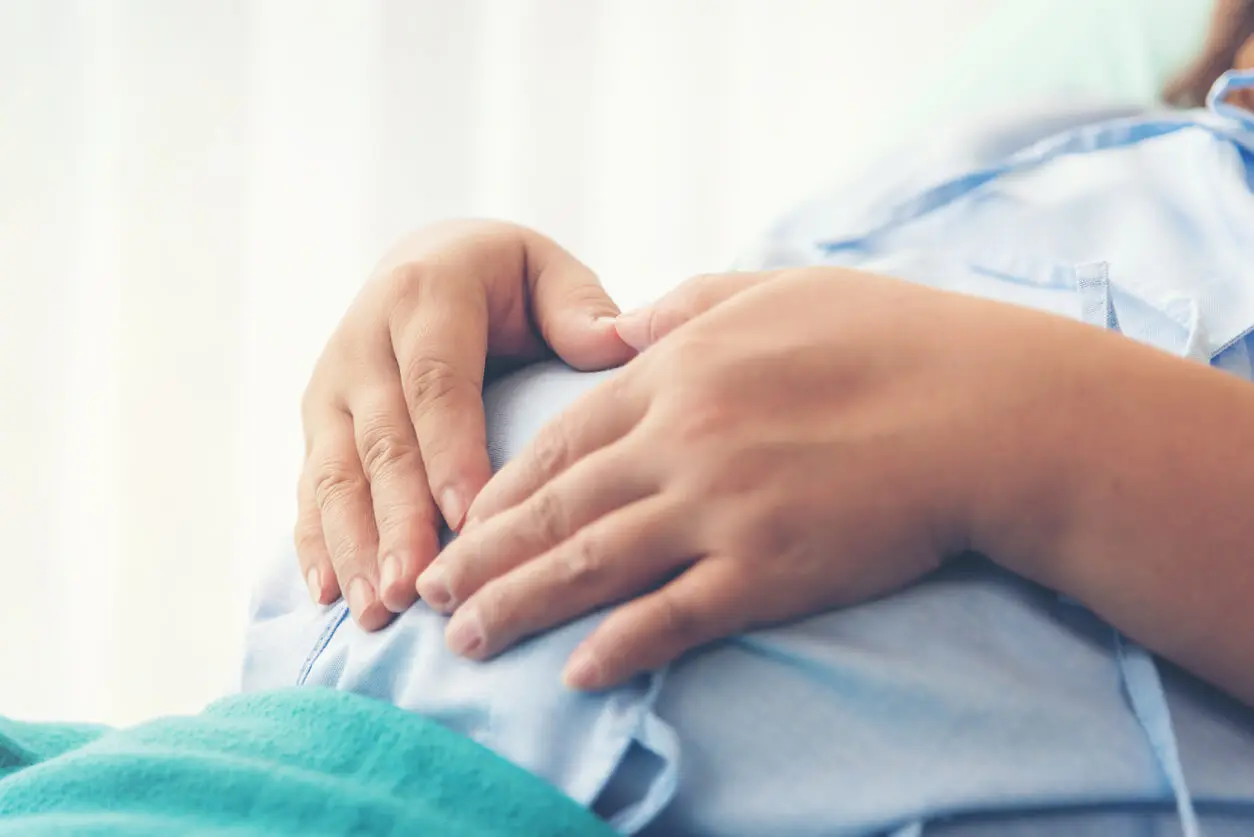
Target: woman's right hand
393 414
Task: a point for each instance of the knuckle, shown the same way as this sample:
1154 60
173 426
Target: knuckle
334 484
432 383
382 447
550 449
737 491
702 421
687 359
549 517
419 265
581 563
699 435
618 393
401 284
760 533
678 619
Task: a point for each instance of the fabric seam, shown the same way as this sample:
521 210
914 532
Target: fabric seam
337 616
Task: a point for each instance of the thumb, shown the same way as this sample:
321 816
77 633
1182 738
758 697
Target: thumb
573 313
645 326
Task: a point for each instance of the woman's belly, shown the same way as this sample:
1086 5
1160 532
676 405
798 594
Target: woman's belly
973 691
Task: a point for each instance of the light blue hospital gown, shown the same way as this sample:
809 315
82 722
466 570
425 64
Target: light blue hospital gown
974 703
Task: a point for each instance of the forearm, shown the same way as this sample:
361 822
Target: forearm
1152 525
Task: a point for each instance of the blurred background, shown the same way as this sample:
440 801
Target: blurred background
191 191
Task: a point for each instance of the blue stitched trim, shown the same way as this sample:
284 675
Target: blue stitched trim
339 613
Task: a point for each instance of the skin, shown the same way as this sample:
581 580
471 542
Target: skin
393 417
1130 523
806 440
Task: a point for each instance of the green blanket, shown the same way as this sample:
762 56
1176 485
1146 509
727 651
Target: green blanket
291 762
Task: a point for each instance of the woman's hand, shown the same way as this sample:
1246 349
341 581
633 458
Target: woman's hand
393 417
819 438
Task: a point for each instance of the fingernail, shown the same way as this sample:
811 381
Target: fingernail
453 507
360 596
389 572
433 588
582 671
633 328
464 635
314 579
604 322
632 317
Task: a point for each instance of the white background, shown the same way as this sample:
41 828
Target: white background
190 193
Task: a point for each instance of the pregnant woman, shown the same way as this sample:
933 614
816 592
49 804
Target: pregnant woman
933 518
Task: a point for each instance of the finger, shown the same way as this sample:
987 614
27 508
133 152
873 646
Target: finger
595 486
572 311
708 602
405 517
439 335
616 556
442 327
311 546
343 497
645 326
597 418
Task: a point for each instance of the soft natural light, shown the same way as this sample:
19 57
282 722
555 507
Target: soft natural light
191 191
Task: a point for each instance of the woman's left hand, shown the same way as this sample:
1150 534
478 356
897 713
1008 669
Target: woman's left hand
815 438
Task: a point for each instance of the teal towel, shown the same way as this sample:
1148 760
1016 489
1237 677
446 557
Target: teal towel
290 762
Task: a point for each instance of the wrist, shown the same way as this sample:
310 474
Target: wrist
1041 474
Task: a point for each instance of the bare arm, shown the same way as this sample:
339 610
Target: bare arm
1155 511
